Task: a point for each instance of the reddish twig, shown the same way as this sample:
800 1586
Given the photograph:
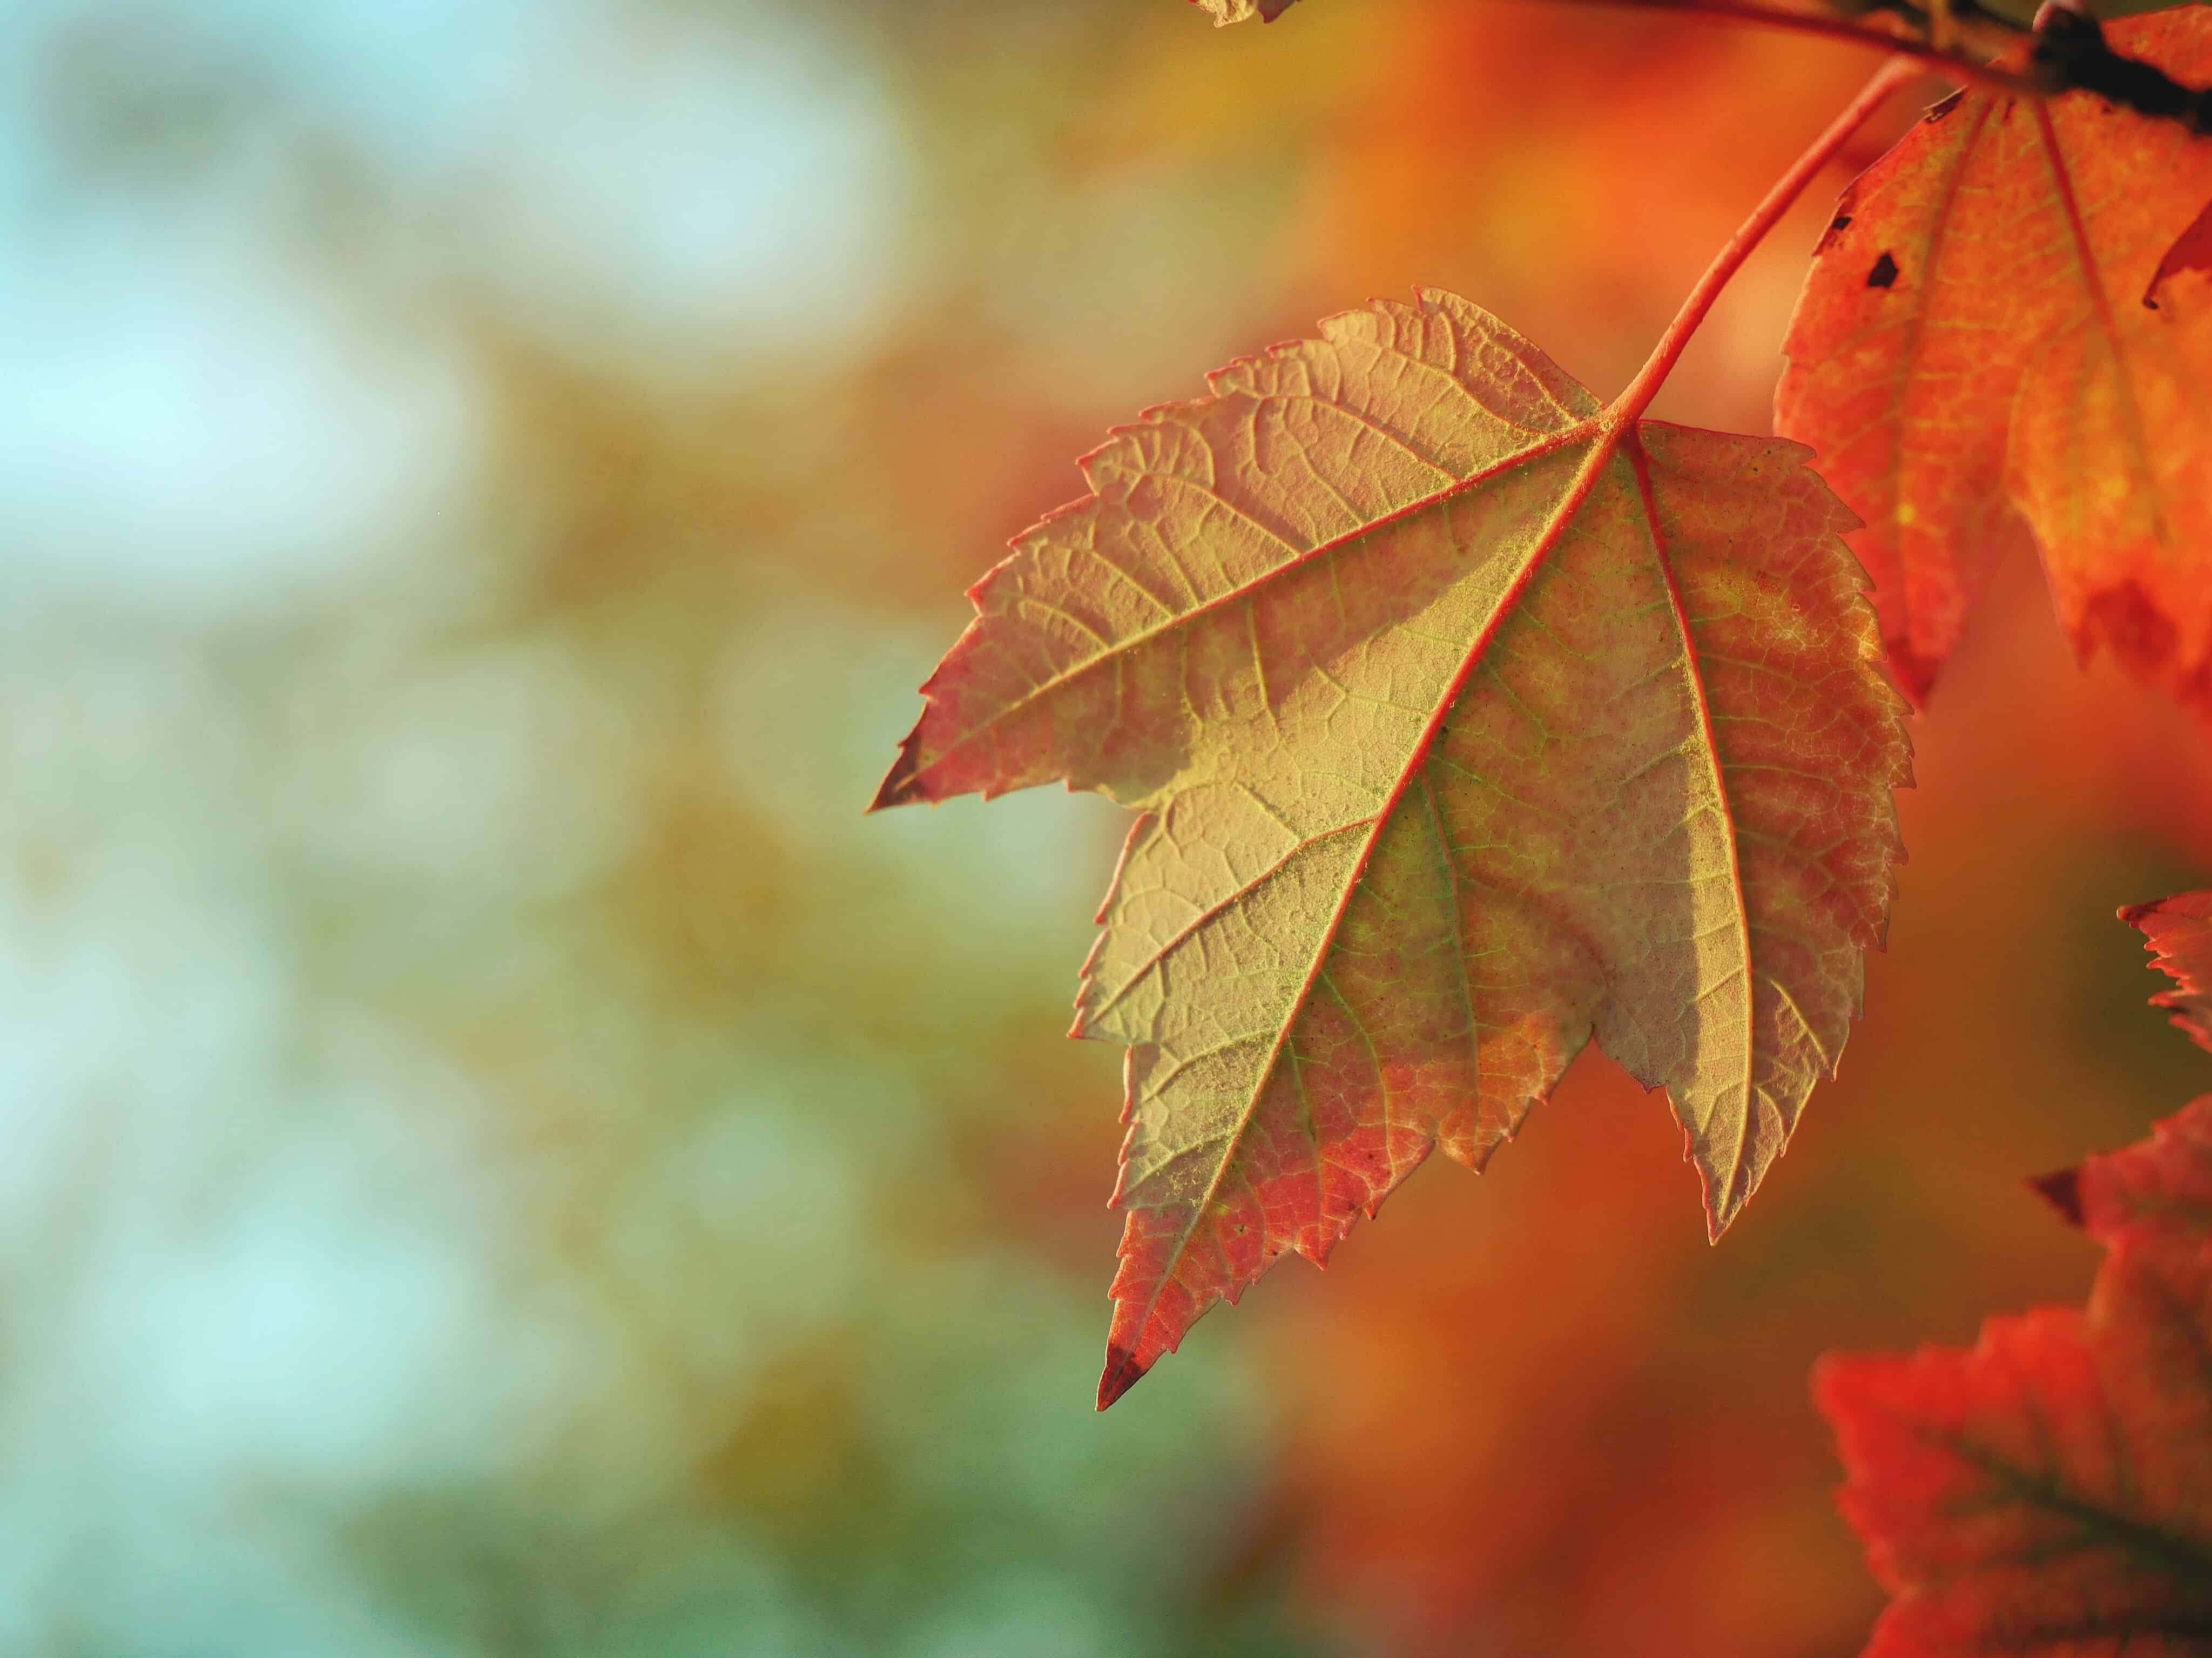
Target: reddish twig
1893 75
1836 28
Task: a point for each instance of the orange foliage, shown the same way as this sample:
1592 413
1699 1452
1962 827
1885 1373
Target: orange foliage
2003 335
1544 1421
2050 1490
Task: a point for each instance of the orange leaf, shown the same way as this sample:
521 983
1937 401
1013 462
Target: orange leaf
2179 932
2050 1490
1464 723
2007 330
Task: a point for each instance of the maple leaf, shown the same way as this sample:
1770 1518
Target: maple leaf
2179 932
2006 340
2049 1489
1465 719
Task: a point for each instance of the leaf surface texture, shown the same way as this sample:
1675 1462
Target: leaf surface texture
1461 728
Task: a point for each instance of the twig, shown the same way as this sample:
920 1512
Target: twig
2069 54
1836 28
1888 79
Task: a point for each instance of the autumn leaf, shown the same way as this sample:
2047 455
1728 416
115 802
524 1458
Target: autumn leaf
2006 341
1465 720
2179 934
2049 1489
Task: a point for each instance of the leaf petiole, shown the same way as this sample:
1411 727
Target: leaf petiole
1625 410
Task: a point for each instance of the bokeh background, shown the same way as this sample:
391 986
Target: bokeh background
501 1155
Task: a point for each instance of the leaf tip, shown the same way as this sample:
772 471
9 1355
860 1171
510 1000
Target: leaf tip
1722 1207
2136 914
1725 1183
1123 1371
902 785
2062 1190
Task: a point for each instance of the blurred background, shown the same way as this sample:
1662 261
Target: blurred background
502 1157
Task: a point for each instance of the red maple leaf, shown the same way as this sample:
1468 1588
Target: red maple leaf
2049 1491
2179 930
2003 340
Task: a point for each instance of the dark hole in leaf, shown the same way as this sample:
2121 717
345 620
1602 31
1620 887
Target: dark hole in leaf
1884 272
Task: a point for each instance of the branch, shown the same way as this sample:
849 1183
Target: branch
2069 54
1837 27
